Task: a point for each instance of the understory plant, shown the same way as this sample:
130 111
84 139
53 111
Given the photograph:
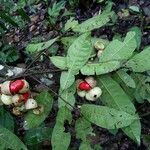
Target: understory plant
119 66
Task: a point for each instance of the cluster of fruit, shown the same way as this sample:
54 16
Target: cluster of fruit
87 88
17 93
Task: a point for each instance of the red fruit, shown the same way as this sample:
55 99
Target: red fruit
84 86
25 96
16 86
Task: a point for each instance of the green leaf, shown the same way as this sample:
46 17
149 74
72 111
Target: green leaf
142 91
94 22
126 78
85 146
66 80
134 131
59 61
70 24
6 120
68 96
23 14
59 133
32 120
129 91
79 53
83 130
100 68
8 140
138 35
8 18
117 50
113 96
56 8
140 62
67 41
33 48
106 117
37 135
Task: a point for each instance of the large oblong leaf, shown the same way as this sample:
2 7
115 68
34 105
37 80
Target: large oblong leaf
94 22
68 96
32 120
66 80
100 68
59 61
79 53
106 117
140 62
6 120
37 135
36 47
117 50
60 138
113 96
8 140
126 78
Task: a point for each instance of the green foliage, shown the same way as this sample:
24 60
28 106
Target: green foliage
122 72
83 130
68 96
8 140
33 48
59 62
66 80
59 133
114 97
138 35
70 24
32 120
94 22
54 11
126 78
107 117
140 62
100 68
142 90
78 53
6 120
117 50
37 135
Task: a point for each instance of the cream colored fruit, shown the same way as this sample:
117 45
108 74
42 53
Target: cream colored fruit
93 94
6 99
16 100
81 93
91 81
5 88
31 104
